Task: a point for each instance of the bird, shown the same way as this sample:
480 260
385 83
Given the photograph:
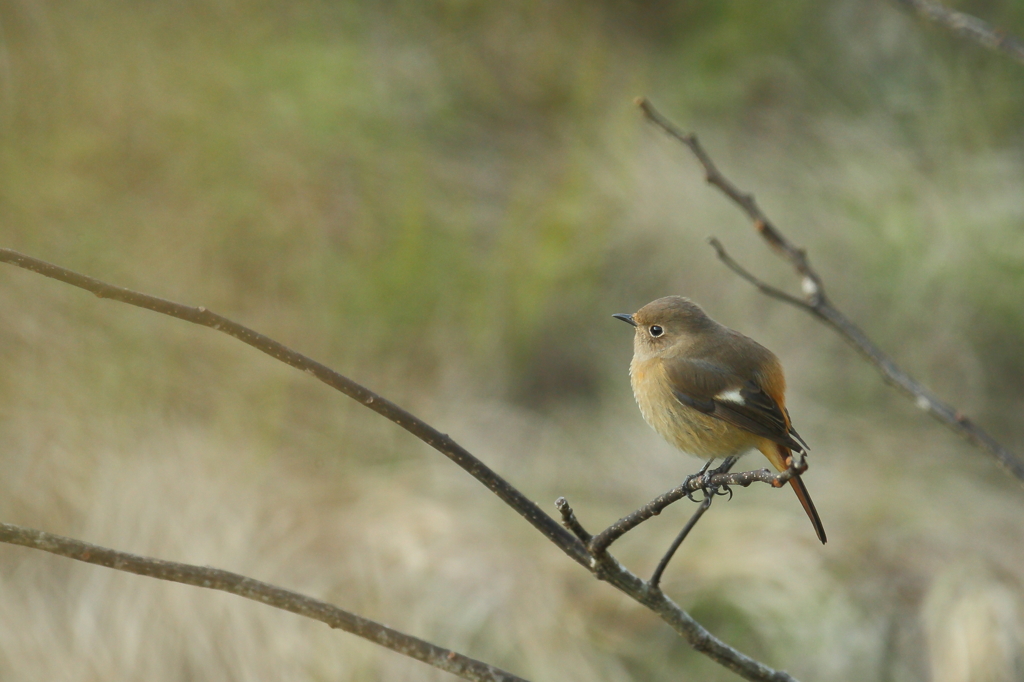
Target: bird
711 391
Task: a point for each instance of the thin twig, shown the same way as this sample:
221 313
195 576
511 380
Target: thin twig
707 481
604 566
969 27
797 257
764 287
655 580
570 521
819 305
709 497
216 579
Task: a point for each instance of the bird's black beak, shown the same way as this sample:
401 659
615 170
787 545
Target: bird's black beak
625 318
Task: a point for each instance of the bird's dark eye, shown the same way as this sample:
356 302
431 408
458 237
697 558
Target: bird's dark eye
656 330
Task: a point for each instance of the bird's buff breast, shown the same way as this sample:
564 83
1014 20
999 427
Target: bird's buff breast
691 431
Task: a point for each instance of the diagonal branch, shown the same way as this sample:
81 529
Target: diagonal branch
216 579
605 567
382 406
819 305
969 27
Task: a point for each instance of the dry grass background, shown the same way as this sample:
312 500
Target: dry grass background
446 201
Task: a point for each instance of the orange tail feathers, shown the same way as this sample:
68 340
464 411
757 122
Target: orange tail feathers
779 456
812 513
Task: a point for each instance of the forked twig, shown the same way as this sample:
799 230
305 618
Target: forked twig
817 303
797 257
604 566
708 481
216 579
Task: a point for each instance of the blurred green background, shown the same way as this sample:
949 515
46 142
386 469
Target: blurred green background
446 201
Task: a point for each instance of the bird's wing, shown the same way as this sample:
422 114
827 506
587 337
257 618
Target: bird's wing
711 389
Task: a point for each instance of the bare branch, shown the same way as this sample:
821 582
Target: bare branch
969 27
786 249
818 304
604 566
382 406
216 579
764 287
708 481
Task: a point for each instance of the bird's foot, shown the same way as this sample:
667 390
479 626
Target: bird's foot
724 489
726 466
692 477
711 490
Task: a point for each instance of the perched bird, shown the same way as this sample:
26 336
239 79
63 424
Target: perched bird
711 391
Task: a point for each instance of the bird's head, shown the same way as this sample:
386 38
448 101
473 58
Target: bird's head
669 324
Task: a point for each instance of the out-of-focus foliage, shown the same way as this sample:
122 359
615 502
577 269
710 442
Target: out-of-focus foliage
446 200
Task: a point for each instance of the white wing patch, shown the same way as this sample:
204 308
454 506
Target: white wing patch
732 396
